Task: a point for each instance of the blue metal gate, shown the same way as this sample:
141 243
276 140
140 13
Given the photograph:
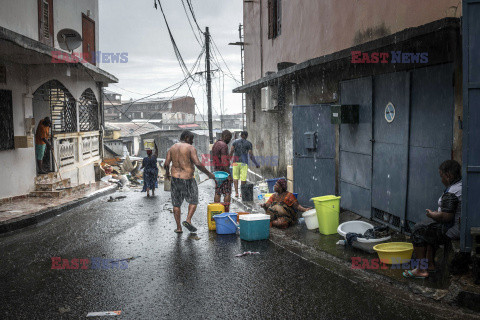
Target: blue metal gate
356 148
471 121
390 148
313 152
431 136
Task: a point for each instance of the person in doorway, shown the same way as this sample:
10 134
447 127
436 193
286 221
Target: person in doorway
282 206
241 150
150 171
221 162
183 157
440 226
41 142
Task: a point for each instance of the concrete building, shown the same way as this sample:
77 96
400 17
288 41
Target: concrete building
130 134
166 138
32 87
399 63
177 110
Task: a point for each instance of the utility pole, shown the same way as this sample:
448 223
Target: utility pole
209 85
242 48
241 43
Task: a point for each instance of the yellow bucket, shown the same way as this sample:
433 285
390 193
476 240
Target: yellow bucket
267 196
400 252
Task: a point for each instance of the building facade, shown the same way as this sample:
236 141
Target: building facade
181 109
35 84
398 63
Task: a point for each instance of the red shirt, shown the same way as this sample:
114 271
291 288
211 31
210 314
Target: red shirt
220 159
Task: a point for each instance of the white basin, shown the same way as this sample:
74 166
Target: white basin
360 227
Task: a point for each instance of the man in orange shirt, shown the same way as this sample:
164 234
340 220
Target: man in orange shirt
41 141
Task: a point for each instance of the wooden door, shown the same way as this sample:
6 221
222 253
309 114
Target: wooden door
88 35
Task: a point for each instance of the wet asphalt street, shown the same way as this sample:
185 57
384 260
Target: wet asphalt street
171 276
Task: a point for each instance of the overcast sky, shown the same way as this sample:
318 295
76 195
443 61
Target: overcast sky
137 28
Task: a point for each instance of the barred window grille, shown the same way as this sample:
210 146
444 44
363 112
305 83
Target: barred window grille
88 111
62 106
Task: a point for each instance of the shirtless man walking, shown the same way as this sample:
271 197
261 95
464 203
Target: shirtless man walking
183 157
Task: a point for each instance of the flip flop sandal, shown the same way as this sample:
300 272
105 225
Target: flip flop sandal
177 231
409 274
189 226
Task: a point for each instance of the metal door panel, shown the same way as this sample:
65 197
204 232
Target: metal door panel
314 170
431 136
389 187
390 149
357 198
313 118
356 148
432 102
356 169
313 178
424 183
357 137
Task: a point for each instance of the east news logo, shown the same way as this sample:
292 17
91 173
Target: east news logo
396 57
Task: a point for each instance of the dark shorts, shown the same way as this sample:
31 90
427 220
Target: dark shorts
224 188
429 233
184 190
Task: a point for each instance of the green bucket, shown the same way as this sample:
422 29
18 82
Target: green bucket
328 211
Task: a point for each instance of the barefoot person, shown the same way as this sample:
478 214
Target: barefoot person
183 157
221 162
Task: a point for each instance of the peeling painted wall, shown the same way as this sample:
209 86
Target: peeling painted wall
313 28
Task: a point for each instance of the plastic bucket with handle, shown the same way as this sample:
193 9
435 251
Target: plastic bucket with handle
226 223
328 212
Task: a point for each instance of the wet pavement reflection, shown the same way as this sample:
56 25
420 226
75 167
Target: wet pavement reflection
171 276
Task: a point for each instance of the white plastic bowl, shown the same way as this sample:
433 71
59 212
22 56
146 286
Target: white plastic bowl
311 220
360 227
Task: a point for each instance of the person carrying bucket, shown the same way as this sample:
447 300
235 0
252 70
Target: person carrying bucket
221 162
183 157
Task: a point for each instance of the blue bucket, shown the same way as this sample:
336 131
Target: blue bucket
226 223
271 184
220 176
295 195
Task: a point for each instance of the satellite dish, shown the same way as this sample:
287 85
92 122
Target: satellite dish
69 39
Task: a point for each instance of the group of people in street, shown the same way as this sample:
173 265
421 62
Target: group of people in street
180 166
439 227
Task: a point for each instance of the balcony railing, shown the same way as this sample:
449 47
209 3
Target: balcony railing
76 148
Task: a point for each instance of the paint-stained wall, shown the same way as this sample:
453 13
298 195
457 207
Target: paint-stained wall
313 28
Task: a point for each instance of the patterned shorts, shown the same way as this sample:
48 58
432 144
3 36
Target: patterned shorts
183 189
224 188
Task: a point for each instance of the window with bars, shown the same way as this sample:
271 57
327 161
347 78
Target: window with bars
88 111
45 21
6 121
62 106
274 18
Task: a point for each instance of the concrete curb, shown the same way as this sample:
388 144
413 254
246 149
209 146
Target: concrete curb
35 218
455 296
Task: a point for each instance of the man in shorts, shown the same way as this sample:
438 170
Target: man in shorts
221 162
183 157
241 150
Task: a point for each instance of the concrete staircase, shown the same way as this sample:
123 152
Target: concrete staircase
50 186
